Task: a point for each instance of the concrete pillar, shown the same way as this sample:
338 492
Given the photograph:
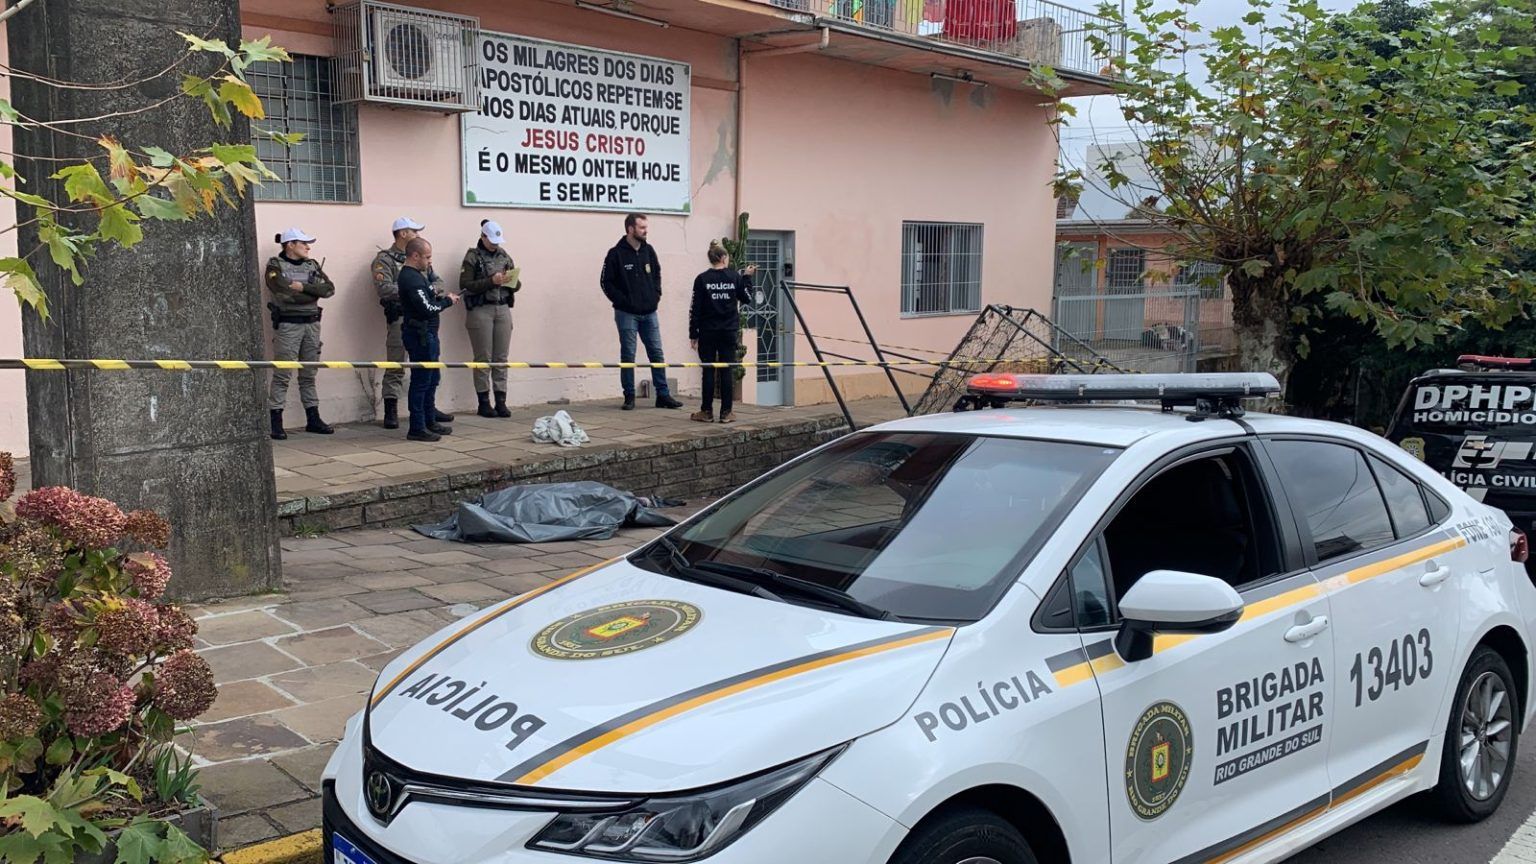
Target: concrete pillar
190 445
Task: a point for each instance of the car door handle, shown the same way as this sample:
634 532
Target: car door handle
1434 577
1303 632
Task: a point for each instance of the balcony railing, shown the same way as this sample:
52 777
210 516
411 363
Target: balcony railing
1037 31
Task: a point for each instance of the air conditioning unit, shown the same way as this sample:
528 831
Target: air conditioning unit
410 58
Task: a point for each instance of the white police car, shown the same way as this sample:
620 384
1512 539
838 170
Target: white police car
1046 634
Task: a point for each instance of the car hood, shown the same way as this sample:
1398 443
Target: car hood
624 680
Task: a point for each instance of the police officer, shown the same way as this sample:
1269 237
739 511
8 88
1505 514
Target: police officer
297 284
487 282
386 279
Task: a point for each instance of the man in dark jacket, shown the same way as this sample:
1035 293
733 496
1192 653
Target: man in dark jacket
632 282
421 306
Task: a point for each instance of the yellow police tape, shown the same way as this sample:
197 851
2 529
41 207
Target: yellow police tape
59 365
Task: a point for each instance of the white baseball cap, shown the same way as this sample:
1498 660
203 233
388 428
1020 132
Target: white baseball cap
492 232
293 234
406 222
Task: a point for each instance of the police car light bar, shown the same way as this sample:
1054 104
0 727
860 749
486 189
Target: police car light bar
1482 361
1211 393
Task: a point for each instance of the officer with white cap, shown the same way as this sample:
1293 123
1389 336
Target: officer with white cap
386 279
297 285
487 280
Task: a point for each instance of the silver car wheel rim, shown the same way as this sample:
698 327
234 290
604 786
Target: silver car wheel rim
1487 731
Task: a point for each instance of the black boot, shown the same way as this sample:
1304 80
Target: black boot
485 405
277 425
665 400
315 424
391 414
629 402
442 416
501 406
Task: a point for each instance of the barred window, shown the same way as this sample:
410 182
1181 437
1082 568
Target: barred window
297 98
1127 270
940 268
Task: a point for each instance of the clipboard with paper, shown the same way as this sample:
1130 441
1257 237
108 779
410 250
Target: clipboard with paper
514 275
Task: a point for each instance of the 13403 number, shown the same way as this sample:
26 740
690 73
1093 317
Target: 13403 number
1399 665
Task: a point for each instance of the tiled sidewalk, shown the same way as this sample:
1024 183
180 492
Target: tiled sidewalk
291 669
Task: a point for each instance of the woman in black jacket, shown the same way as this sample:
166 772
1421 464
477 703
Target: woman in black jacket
713 326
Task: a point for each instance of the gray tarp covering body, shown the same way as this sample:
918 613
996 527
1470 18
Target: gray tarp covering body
546 512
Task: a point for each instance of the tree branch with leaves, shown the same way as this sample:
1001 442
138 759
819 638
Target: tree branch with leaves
106 199
1326 175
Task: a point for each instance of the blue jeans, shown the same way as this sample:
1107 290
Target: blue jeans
648 328
422 347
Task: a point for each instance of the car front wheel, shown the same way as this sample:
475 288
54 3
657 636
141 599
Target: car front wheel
1481 741
965 837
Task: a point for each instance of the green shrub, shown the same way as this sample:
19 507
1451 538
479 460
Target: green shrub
96 670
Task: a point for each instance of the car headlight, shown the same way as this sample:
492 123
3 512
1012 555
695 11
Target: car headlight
679 828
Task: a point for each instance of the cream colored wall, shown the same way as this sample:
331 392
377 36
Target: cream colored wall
841 154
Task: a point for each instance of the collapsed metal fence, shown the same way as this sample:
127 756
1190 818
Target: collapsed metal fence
1009 340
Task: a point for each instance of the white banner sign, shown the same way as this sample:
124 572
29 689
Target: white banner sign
571 128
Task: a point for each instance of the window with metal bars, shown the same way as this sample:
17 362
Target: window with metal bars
297 97
1127 271
940 268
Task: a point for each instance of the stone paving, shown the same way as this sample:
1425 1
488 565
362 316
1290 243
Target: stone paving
292 668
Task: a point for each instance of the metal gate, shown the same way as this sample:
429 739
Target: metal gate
1137 320
771 251
1075 277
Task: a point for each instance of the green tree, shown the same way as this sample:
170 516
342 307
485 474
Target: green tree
1327 174
1351 374
105 200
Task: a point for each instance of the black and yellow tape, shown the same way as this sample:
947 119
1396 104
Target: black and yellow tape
61 365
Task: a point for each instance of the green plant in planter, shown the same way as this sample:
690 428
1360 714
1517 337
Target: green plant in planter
95 672
737 247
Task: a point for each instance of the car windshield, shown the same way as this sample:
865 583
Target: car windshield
921 526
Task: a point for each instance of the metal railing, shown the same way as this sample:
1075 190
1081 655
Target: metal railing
1037 31
1156 327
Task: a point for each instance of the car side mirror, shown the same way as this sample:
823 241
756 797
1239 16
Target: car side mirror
1168 601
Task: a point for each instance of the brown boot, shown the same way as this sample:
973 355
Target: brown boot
702 416
728 417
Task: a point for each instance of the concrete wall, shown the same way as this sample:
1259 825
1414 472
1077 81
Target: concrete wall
841 154
411 165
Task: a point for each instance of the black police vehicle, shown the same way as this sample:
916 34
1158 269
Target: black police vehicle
1476 425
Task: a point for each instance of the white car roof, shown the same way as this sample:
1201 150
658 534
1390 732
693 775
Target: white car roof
1108 425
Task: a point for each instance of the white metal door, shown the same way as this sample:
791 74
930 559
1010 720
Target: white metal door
770 315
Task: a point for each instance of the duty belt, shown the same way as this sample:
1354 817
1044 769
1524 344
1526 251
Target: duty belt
474 301
281 317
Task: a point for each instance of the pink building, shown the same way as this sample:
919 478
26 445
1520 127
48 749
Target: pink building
894 146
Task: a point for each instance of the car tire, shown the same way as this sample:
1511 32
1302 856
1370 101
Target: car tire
965 837
1472 779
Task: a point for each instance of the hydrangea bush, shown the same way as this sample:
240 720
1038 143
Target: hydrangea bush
96 671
